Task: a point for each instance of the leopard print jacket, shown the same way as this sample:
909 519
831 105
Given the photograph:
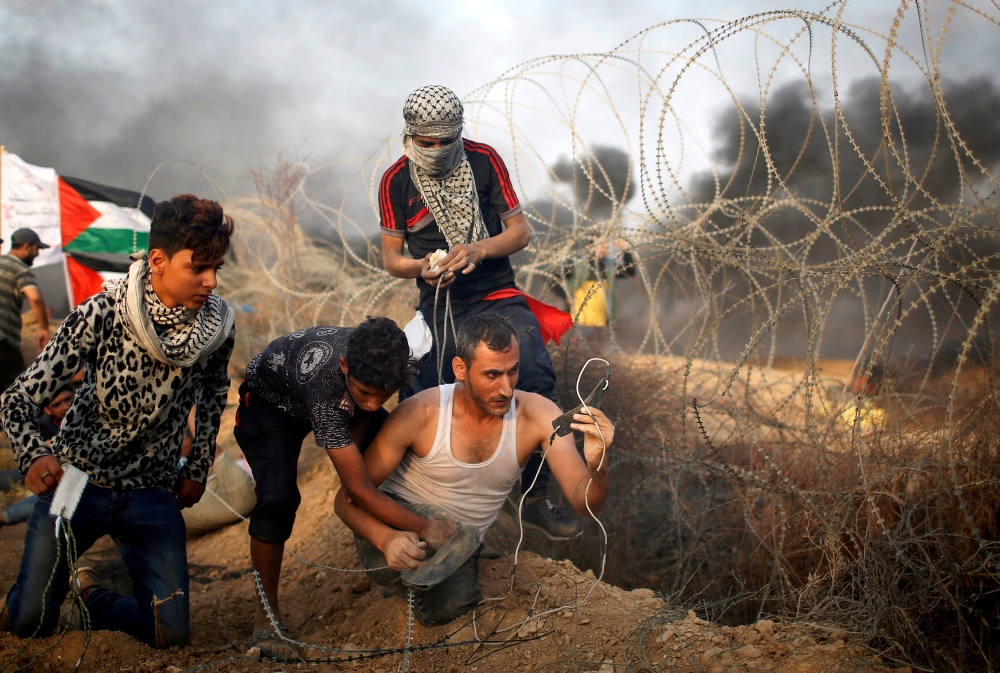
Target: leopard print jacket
126 424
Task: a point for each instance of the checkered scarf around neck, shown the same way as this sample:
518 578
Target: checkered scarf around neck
179 337
442 174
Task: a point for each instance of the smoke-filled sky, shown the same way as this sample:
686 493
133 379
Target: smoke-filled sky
108 90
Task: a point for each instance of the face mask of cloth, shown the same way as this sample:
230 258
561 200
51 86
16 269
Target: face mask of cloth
437 162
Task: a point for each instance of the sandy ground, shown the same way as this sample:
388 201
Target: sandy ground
539 621
347 611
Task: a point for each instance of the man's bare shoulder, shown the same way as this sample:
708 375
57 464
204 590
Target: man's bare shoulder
420 407
534 409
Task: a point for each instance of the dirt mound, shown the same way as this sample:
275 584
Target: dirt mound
538 621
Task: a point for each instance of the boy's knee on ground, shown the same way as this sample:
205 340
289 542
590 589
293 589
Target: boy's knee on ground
24 623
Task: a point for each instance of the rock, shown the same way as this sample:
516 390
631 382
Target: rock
589 575
156 665
644 593
173 669
362 585
765 627
607 667
692 618
253 652
584 622
748 652
803 641
709 655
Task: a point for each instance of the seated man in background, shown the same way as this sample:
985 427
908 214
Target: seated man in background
229 491
55 412
331 381
461 447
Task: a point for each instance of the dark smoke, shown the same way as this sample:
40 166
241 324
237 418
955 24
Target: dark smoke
789 114
971 104
177 96
601 178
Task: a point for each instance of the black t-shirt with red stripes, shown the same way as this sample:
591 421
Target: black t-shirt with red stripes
405 215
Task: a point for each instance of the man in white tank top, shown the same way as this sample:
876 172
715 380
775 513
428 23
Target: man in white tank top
461 448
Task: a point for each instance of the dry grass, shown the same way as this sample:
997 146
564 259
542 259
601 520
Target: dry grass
884 528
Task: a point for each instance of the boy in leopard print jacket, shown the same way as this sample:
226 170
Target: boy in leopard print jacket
151 346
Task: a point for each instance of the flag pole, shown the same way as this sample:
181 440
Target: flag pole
2 150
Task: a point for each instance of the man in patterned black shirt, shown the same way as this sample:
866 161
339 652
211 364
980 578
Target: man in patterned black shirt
151 346
331 381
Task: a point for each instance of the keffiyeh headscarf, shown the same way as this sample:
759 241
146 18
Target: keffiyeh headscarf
179 337
442 174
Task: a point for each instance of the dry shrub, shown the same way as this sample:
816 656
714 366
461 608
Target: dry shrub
886 529
279 279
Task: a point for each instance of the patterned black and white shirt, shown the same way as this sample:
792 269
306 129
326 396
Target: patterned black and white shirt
126 423
300 374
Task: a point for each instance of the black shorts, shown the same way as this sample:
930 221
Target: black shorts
271 440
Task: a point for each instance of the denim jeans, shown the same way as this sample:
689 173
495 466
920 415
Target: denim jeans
148 530
455 596
20 511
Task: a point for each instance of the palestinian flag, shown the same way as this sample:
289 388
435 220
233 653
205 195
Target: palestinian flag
101 226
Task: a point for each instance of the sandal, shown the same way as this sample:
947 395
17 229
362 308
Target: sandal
271 646
86 579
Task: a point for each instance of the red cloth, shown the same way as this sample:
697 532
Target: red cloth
553 322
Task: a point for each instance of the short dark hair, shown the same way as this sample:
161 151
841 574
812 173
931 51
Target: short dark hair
489 328
186 222
378 355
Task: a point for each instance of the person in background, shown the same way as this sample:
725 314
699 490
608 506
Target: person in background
592 281
17 283
55 412
48 426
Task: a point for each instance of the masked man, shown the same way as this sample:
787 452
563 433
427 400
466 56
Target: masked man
452 194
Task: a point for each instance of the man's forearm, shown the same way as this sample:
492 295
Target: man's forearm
401 266
388 511
514 238
363 494
41 313
597 493
361 522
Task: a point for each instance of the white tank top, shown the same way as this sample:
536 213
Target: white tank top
471 492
